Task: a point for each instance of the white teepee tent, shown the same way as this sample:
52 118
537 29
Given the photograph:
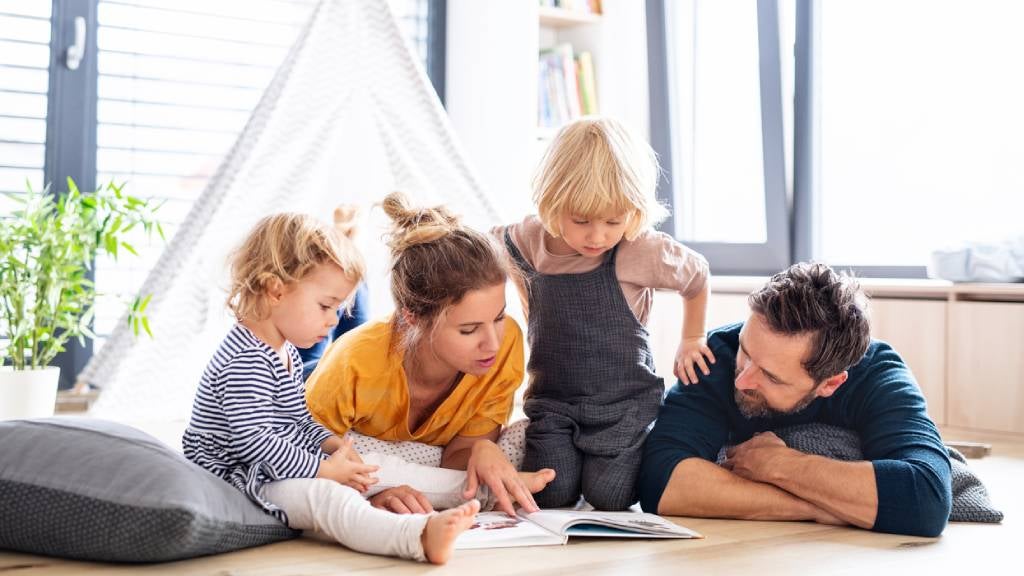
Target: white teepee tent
349 116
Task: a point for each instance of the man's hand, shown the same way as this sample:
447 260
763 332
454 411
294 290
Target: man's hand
759 459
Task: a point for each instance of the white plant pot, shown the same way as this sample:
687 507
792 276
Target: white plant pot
28 393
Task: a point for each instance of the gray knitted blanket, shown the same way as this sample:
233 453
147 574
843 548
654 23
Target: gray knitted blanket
970 499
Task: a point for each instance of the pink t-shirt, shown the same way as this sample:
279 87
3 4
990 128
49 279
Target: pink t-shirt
652 261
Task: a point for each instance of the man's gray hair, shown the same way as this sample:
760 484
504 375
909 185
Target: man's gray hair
810 297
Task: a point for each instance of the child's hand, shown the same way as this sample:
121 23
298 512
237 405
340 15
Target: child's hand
691 354
346 467
349 452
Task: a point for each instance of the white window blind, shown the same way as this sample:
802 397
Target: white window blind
24 79
177 82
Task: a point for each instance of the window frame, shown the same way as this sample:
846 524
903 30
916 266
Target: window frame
70 148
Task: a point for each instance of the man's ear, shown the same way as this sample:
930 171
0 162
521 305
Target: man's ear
831 384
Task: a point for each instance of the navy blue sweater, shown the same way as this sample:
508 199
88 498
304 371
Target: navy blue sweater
880 401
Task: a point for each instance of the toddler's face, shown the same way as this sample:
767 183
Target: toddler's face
593 236
469 335
308 310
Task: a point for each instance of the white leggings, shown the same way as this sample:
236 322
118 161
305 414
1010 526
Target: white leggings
418 465
327 510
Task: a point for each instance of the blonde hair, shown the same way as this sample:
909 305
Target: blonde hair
596 165
285 248
435 262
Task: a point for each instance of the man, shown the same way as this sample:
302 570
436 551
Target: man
804 355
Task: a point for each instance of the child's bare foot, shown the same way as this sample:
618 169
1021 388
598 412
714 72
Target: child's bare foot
442 528
536 481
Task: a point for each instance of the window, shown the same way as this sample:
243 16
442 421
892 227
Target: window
901 129
24 81
713 57
176 84
717 125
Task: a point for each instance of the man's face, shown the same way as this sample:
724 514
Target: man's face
770 377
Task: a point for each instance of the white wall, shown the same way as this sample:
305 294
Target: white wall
491 93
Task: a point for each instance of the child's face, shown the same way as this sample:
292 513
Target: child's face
308 309
469 336
595 235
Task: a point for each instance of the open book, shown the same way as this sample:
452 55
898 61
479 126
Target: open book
551 527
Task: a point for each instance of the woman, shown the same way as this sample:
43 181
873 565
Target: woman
443 370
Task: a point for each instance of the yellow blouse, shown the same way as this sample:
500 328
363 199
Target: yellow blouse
359 384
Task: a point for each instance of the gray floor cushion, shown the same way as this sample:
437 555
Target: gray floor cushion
91 489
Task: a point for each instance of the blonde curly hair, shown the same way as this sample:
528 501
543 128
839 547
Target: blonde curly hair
285 248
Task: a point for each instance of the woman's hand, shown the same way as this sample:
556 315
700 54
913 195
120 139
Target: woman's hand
489 466
402 500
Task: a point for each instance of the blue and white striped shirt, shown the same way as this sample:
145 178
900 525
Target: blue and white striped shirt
250 424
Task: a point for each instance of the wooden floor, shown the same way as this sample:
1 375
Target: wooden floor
729 547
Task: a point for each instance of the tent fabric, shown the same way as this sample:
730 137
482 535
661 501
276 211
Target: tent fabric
349 116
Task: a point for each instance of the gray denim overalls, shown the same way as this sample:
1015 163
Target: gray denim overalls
593 391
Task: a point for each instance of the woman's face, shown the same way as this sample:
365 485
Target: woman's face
467 338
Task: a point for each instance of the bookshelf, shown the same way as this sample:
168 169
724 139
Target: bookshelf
566 68
561 18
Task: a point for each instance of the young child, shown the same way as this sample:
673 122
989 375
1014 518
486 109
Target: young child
250 424
592 261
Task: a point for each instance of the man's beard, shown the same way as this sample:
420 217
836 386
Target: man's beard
752 404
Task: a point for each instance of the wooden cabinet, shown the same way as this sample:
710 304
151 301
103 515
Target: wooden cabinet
986 374
916 329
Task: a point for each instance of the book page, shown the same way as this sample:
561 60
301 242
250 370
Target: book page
618 524
498 530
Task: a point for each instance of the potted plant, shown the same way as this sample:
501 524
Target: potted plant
47 247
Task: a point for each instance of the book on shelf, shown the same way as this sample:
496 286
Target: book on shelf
554 527
566 86
585 79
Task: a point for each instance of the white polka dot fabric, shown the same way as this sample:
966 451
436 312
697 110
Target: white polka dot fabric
512 442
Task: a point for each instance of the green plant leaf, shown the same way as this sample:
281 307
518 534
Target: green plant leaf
48 245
